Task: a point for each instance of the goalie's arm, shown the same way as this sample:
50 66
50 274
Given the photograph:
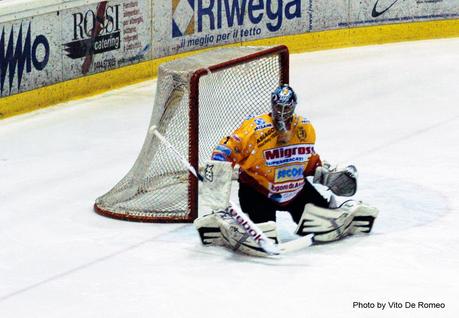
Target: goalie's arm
233 148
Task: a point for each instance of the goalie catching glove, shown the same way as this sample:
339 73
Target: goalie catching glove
341 181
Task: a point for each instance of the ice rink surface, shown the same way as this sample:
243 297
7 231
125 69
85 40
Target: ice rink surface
392 110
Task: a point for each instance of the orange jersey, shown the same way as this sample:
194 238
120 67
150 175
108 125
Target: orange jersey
275 169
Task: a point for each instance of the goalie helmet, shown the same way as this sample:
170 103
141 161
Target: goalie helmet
283 102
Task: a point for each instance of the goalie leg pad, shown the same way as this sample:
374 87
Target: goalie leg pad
208 227
236 238
219 228
329 225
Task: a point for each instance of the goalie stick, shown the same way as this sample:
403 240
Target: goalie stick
249 227
296 244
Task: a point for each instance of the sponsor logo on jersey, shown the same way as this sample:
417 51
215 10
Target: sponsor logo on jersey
266 137
286 186
301 133
262 124
289 173
290 154
259 121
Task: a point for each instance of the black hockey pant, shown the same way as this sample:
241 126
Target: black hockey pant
262 209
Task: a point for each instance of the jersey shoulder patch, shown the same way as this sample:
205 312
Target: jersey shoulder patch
304 131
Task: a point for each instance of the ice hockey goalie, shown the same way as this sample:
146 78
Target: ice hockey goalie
276 156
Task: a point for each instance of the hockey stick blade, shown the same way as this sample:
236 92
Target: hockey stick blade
292 246
296 245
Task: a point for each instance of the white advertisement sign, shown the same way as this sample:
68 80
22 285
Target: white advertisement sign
184 25
105 35
347 13
79 37
29 57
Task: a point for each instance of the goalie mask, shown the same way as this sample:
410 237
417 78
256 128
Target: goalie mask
283 102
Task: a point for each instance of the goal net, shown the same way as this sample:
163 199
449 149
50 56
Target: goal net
199 100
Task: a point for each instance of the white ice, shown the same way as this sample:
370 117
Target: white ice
391 110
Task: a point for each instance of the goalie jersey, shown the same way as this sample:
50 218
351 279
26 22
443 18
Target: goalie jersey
276 169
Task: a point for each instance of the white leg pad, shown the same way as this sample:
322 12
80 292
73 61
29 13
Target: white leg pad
208 227
221 229
328 225
236 238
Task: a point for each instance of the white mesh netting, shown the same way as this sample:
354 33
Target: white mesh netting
158 187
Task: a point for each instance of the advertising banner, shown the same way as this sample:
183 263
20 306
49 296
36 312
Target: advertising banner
184 25
327 15
28 55
347 13
72 38
105 35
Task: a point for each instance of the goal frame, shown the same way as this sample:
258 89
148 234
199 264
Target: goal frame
193 129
